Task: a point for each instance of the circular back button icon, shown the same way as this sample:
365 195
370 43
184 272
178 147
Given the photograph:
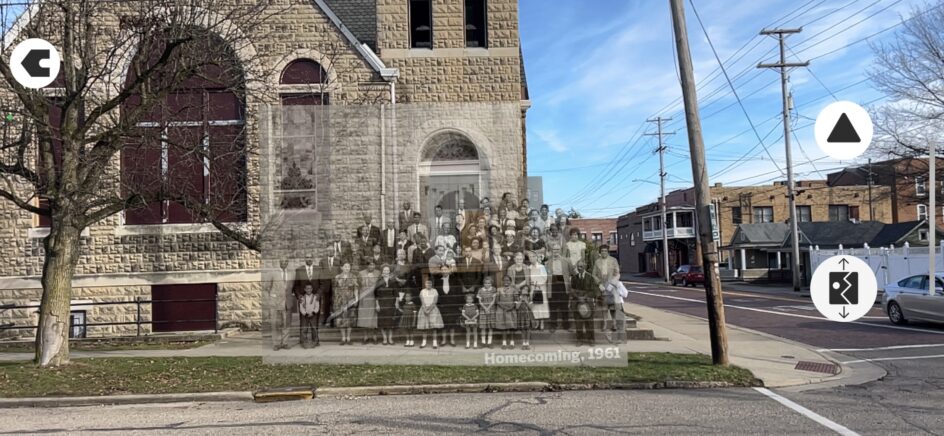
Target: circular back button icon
35 63
843 130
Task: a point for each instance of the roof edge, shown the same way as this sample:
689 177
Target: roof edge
388 74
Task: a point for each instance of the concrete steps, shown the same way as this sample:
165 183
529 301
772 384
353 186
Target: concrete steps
633 333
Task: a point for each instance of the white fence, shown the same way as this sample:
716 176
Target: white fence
889 264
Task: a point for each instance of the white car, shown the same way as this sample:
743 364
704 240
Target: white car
909 300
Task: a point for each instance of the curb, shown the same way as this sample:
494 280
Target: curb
264 396
848 375
111 400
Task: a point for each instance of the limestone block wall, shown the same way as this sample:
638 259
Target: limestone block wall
239 305
450 72
83 299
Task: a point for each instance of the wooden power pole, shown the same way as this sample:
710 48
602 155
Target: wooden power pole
662 174
783 65
716 324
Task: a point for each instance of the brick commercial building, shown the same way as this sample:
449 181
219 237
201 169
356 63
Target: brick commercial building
907 182
597 230
640 232
377 103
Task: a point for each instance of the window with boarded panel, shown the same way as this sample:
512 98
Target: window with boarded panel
186 307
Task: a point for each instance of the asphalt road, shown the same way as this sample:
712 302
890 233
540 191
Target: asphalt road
676 412
909 400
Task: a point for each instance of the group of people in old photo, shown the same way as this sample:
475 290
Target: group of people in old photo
488 276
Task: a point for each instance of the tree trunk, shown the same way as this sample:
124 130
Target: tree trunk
62 253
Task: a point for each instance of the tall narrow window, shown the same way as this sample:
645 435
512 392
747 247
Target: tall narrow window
921 187
421 23
476 23
922 211
185 157
303 88
736 215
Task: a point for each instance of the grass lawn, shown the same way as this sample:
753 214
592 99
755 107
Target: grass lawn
28 347
112 376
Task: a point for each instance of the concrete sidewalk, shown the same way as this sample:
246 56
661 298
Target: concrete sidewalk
771 359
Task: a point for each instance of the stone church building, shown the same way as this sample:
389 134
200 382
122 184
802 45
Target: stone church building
379 103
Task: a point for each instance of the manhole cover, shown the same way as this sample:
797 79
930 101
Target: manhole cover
826 368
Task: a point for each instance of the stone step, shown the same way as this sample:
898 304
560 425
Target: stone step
331 334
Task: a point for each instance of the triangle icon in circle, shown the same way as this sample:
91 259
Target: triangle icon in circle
844 131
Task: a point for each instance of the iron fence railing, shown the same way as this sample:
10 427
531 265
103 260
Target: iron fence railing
138 318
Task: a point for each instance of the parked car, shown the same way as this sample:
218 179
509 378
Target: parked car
908 300
688 275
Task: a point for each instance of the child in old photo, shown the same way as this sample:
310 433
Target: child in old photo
525 318
470 319
408 317
309 307
486 296
428 317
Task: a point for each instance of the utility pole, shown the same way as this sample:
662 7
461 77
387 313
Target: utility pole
932 218
716 325
662 174
871 211
791 187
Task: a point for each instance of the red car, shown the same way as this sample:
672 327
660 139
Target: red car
688 275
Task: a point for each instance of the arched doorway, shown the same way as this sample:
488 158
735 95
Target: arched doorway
451 175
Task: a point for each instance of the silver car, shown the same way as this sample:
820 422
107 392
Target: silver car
909 300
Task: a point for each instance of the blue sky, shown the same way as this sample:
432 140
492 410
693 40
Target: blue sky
598 69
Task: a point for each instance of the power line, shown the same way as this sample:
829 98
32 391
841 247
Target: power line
743 73
728 79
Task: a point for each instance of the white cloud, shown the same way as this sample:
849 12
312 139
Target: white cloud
551 140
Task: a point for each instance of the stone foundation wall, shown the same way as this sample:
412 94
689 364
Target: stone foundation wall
239 305
82 299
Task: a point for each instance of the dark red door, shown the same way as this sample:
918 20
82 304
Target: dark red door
176 308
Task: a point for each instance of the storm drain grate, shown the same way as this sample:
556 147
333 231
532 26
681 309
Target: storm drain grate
826 368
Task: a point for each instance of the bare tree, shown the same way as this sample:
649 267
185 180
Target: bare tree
910 71
139 79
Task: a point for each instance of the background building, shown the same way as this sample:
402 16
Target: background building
641 230
598 230
907 182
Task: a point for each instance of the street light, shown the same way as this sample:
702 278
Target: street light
664 229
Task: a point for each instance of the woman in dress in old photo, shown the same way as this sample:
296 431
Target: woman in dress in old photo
450 302
345 301
540 308
367 306
386 294
506 319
